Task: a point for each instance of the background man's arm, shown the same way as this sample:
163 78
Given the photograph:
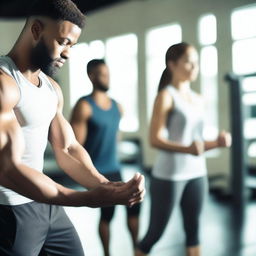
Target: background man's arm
79 120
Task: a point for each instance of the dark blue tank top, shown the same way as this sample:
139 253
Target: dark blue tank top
101 142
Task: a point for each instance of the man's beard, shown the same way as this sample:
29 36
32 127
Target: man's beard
101 87
40 58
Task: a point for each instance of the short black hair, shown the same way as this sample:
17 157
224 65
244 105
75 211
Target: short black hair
92 64
58 10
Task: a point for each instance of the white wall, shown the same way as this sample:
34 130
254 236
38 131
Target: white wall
9 31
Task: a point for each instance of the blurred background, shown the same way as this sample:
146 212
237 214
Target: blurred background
133 36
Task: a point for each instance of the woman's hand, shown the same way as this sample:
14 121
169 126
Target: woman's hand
196 148
224 139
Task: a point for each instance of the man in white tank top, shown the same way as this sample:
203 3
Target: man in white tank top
30 113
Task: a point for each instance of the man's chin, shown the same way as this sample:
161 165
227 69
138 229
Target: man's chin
103 88
51 71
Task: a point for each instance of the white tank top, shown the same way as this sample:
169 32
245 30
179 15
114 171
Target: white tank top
184 125
35 110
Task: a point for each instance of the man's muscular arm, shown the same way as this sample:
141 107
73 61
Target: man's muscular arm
34 184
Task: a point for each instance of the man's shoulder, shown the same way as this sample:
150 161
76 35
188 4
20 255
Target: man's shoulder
84 102
9 92
6 80
82 111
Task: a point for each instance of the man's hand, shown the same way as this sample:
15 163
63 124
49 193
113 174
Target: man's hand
113 193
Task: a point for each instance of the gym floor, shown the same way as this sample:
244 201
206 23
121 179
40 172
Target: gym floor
222 233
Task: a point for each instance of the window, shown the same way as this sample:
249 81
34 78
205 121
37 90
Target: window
249 101
208 73
244 56
243 28
207 30
96 49
81 54
121 57
158 40
243 25
79 82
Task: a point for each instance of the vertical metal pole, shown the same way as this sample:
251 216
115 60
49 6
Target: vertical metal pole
238 146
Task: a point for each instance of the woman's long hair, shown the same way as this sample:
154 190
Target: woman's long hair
174 53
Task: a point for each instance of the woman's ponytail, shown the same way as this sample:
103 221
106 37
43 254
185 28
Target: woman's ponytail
173 54
165 79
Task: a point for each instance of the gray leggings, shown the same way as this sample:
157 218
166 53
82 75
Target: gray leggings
164 195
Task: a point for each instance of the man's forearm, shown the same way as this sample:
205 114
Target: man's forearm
78 165
41 188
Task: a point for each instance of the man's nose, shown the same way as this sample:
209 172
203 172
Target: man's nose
66 53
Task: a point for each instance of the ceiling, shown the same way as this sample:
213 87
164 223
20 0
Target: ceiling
17 8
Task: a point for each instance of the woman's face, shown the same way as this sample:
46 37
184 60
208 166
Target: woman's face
186 67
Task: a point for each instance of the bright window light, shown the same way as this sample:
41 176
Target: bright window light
158 40
209 61
81 54
249 99
249 84
252 150
207 29
209 90
97 49
249 128
121 57
79 81
243 23
244 56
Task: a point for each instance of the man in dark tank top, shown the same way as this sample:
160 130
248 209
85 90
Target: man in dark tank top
95 121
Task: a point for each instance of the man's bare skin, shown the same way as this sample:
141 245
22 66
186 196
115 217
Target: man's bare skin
70 155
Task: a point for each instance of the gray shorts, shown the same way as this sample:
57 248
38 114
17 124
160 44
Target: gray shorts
34 229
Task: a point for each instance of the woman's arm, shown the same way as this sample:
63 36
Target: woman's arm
162 107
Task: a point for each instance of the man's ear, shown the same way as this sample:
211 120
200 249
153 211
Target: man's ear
36 29
91 76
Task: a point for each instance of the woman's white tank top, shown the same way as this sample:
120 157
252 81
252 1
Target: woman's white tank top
184 125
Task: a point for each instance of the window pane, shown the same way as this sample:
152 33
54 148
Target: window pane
158 40
249 99
209 90
209 61
249 84
161 38
121 57
79 82
244 56
207 29
252 150
243 23
249 128
81 54
97 49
